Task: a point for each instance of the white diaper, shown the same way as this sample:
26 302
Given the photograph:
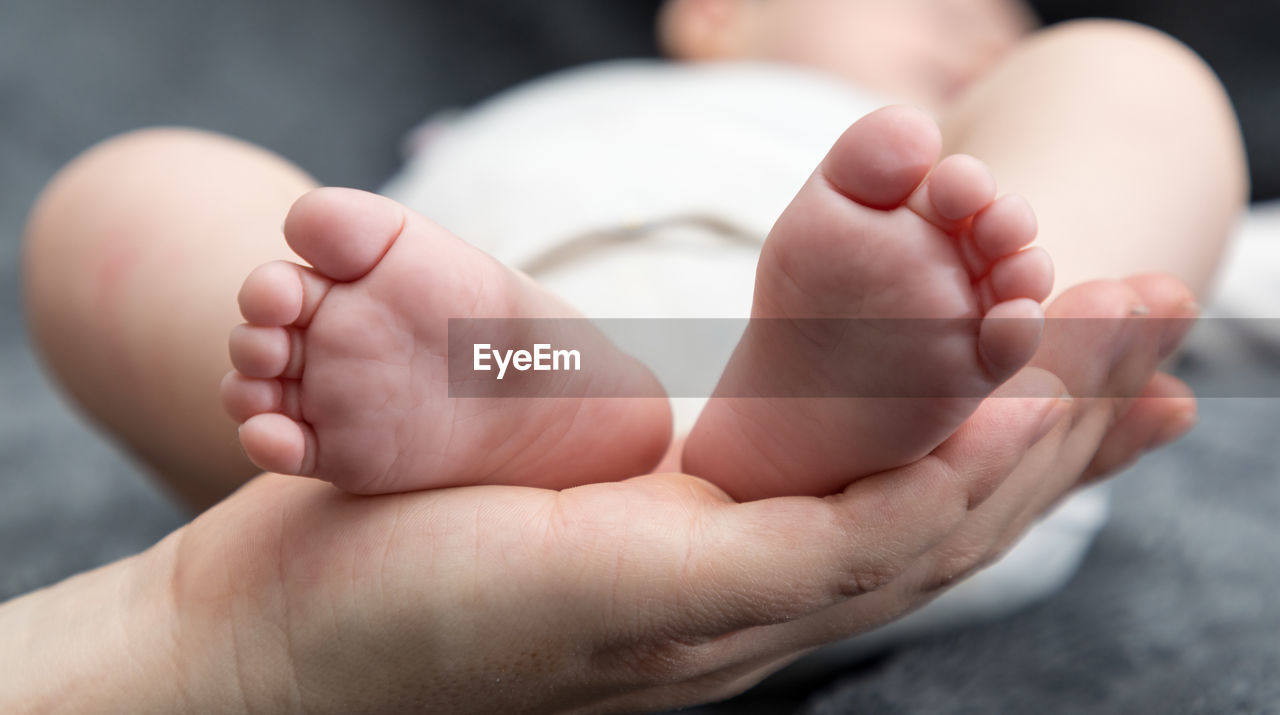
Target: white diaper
645 189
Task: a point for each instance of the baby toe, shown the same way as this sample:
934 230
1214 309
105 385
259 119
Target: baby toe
1004 226
883 157
272 294
263 352
1009 336
244 397
278 444
1025 274
960 186
282 293
343 233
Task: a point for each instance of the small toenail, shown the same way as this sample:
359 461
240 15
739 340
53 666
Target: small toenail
1139 310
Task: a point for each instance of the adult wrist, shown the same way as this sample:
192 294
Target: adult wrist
108 640
98 641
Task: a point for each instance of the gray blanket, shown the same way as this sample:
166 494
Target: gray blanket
1175 609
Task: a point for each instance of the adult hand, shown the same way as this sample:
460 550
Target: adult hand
650 593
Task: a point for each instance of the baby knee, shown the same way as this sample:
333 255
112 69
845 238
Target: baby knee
1130 50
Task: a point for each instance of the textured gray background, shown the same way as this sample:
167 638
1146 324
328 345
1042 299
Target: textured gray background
1175 610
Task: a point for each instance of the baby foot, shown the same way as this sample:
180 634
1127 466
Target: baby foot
866 248
342 370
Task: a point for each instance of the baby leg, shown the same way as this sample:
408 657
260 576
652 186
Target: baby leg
133 255
1126 146
1123 141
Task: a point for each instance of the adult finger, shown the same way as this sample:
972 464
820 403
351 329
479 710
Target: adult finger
1163 412
1124 385
776 560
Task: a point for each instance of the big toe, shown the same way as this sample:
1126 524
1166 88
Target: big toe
883 157
343 233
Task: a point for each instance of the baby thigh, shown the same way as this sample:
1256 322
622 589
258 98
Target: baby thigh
1124 142
134 254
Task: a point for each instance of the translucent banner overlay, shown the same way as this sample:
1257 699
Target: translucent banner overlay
839 358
